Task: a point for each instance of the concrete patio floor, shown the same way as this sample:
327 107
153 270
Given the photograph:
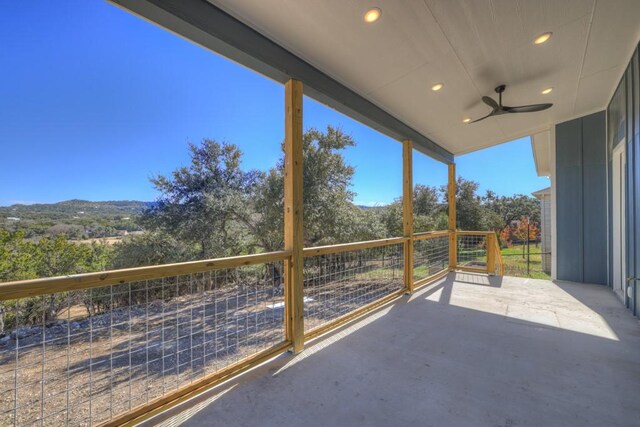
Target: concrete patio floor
469 350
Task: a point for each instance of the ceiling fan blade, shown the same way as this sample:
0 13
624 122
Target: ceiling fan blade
491 114
482 118
491 103
527 108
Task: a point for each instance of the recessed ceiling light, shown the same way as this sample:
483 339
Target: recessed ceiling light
542 38
372 15
436 87
466 120
547 91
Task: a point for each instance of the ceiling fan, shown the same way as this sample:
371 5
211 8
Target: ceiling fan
499 109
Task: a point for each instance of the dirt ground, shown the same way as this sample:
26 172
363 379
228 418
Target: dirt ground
86 370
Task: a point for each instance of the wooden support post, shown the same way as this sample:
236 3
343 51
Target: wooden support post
491 253
407 212
451 200
293 226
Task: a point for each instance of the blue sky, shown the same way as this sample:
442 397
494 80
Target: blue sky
94 101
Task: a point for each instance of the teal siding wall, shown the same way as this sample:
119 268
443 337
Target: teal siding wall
581 195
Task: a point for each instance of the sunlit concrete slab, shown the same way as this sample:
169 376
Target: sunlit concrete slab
469 350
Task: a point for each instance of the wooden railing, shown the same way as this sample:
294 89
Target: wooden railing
476 251
111 347
137 340
32 288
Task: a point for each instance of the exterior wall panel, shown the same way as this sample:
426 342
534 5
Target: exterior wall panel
594 208
581 195
569 201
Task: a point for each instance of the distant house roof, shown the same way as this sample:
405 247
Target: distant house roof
544 192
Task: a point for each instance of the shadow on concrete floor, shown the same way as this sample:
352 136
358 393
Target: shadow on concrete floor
469 350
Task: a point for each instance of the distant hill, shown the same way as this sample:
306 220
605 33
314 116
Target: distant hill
76 219
374 208
75 208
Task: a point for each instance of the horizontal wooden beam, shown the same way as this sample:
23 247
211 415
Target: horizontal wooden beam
430 279
31 288
430 235
471 269
44 286
209 26
474 233
347 247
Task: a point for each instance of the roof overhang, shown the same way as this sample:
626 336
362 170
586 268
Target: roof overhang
211 27
541 147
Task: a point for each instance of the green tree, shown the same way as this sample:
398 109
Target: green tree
265 218
199 204
151 248
427 211
426 200
391 218
426 207
327 179
328 210
17 257
512 208
469 209
49 257
57 256
365 225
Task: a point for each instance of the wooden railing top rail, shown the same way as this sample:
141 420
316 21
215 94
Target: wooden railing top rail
474 233
347 247
430 235
43 286
35 287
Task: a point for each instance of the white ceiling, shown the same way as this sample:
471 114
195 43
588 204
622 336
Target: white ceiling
469 45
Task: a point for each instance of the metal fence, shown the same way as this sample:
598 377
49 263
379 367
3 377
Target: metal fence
114 348
336 284
430 255
472 250
530 262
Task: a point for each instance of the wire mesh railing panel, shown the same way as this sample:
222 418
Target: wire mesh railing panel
84 357
519 263
430 256
337 284
472 250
